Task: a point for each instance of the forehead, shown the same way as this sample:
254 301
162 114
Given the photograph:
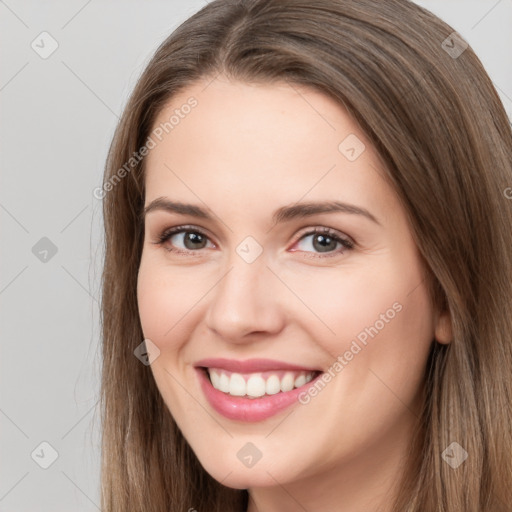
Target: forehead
261 143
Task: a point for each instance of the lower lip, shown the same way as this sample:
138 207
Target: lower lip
249 409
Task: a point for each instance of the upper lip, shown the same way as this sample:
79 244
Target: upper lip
250 365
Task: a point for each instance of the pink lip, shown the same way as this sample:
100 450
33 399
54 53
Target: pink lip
250 365
249 409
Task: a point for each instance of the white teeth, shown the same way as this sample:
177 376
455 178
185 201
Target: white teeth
273 385
287 382
224 383
237 385
215 378
258 385
300 381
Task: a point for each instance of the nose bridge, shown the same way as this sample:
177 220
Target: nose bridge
244 299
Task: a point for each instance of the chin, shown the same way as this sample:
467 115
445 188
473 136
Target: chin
243 478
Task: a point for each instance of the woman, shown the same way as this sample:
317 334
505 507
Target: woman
307 301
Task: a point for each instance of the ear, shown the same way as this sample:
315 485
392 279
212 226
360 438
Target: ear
443 332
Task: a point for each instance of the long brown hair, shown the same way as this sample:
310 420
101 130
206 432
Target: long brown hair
427 104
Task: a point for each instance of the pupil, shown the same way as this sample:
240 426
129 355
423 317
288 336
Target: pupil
323 239
193 238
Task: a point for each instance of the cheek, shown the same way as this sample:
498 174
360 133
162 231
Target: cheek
163 302
346 300
383 308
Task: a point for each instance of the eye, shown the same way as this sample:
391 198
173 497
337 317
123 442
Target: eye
325 240
190 237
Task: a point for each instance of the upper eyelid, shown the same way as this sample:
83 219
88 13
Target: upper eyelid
307 231
175 230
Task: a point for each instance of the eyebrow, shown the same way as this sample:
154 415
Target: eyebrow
283 214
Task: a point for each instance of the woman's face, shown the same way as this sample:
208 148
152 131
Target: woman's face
248 290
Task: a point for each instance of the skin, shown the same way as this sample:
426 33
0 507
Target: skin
243 152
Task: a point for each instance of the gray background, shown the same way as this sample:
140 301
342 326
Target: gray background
58 115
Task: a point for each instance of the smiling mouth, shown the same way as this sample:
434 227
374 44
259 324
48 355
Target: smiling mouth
258 384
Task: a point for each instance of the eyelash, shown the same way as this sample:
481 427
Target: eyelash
345 242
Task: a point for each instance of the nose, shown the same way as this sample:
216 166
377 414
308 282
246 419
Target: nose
245 302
